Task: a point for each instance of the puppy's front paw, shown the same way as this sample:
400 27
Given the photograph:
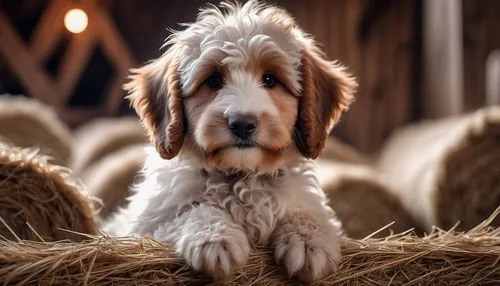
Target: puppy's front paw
306 250
216 253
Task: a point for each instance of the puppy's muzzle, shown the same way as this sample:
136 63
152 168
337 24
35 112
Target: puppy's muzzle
242 126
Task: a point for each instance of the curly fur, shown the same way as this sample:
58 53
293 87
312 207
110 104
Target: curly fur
211 199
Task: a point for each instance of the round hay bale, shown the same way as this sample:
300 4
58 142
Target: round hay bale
110 178
100 137
336 150
39 200
447 171
441 258
363 204
30 123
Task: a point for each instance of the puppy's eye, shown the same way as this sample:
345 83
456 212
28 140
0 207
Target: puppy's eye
269 80
215 80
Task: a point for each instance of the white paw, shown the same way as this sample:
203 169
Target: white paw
217 254
307 251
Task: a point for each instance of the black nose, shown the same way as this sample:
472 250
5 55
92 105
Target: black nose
242 126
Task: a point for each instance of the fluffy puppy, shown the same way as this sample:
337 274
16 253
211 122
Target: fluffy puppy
237 107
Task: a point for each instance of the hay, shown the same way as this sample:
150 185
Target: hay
441 258
30 123
363 204
338 151
37 195
110 178
447 170
104 136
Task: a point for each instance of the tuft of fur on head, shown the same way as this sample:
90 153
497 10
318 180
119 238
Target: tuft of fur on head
183 110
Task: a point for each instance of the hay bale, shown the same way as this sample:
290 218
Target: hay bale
362 202
336 150
447 170
441 258
36 195
30 123
110 178
100 137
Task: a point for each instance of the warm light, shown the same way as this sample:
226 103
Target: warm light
76 21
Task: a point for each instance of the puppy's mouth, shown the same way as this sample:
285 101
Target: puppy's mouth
237 144
244 144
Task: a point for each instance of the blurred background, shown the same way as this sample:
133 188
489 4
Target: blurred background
419 148
414 59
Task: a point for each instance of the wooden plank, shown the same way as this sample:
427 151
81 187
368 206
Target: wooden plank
385 71
335 23
24 66
117 50
344 46
481 30
114 45
75 60
443 66
49 30
493 78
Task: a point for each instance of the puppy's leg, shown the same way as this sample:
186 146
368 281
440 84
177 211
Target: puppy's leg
307 245
208 239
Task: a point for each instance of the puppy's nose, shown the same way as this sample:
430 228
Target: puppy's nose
242 126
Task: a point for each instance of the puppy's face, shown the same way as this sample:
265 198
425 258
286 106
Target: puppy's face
242 88
241 118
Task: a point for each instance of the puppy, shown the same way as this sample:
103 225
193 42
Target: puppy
237 107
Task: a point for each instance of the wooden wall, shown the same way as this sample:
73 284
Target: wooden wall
377 39
481 36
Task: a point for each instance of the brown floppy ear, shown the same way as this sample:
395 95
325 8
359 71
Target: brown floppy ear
327 90
155 93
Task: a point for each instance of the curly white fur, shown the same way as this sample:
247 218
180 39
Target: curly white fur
212 217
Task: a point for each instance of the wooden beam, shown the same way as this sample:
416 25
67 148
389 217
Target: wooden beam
50 28
443 58
75 60
24 66
493 78
113 43
117 50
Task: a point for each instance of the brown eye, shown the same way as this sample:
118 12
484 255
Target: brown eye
215 80
269 80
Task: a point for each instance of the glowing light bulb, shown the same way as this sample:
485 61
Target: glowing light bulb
76 21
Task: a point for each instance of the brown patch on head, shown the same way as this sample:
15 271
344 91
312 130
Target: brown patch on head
211 130
272 62
211 125
218 160
155 93
286 104
276 133
271 158
196 103
203 72
327 90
